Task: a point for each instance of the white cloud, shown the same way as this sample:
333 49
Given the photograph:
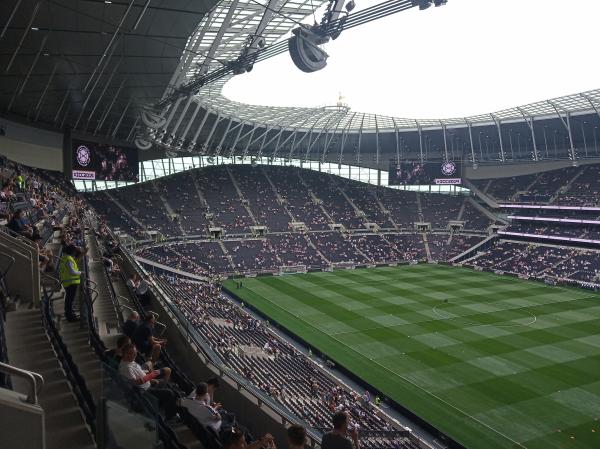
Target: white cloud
467 57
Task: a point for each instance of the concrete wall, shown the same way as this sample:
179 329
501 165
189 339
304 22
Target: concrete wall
31 146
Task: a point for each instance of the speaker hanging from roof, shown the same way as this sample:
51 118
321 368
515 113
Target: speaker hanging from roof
305 52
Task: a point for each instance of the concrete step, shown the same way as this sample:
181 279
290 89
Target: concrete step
29 348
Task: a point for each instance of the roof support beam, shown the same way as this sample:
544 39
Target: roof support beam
23 36
106 50
118 125
567 124
217 40
107 112
181 115
35 60
420 130
12 14
237 137
212 131
344 139
592 104
445 141
470 127
189 124
197 133
499 128
529 121
220 144
38 106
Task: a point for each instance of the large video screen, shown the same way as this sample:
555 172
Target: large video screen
424 173
104 162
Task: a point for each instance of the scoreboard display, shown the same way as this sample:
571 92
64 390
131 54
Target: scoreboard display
104 162
424 173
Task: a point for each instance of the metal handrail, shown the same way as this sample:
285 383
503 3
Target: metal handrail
123 297
88 280
11 263
93 298
36 381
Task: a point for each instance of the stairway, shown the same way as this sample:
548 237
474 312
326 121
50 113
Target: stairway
419 207
566 187
426 244
312 245
129 214
167 206
384 210
485 212
229 258
30 349
241 195
487 199
277 195
315 200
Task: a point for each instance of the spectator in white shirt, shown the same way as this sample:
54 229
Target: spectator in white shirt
147 379
200 409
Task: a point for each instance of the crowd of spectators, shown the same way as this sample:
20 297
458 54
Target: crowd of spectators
444 247
573 186
249 347
533 260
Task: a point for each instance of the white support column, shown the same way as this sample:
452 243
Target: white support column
189 125
420 130
567 124
182 115
529 121
197 133
499 128
445 141
212 130
470 127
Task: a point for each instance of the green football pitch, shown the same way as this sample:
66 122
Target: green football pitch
492 361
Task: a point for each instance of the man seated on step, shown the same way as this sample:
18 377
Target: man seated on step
114 356
148 380
200 408
296 436
144 339
131 324
338 437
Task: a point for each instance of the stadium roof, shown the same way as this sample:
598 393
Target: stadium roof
222 34
90 64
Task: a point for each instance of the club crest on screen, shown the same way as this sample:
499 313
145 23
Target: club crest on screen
448 168
83 155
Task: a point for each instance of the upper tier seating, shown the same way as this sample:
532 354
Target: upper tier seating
573 186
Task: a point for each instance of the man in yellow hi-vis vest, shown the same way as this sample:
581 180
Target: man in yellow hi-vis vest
70 277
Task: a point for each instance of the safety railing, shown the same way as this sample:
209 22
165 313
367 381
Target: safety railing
35 380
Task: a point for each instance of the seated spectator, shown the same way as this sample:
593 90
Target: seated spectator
144 340
131 324
110 265
44 256
234 439
114 356
338 437
147 379
213 384
19 225
200 409
140 287
296 436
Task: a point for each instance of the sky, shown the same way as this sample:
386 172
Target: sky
465 58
